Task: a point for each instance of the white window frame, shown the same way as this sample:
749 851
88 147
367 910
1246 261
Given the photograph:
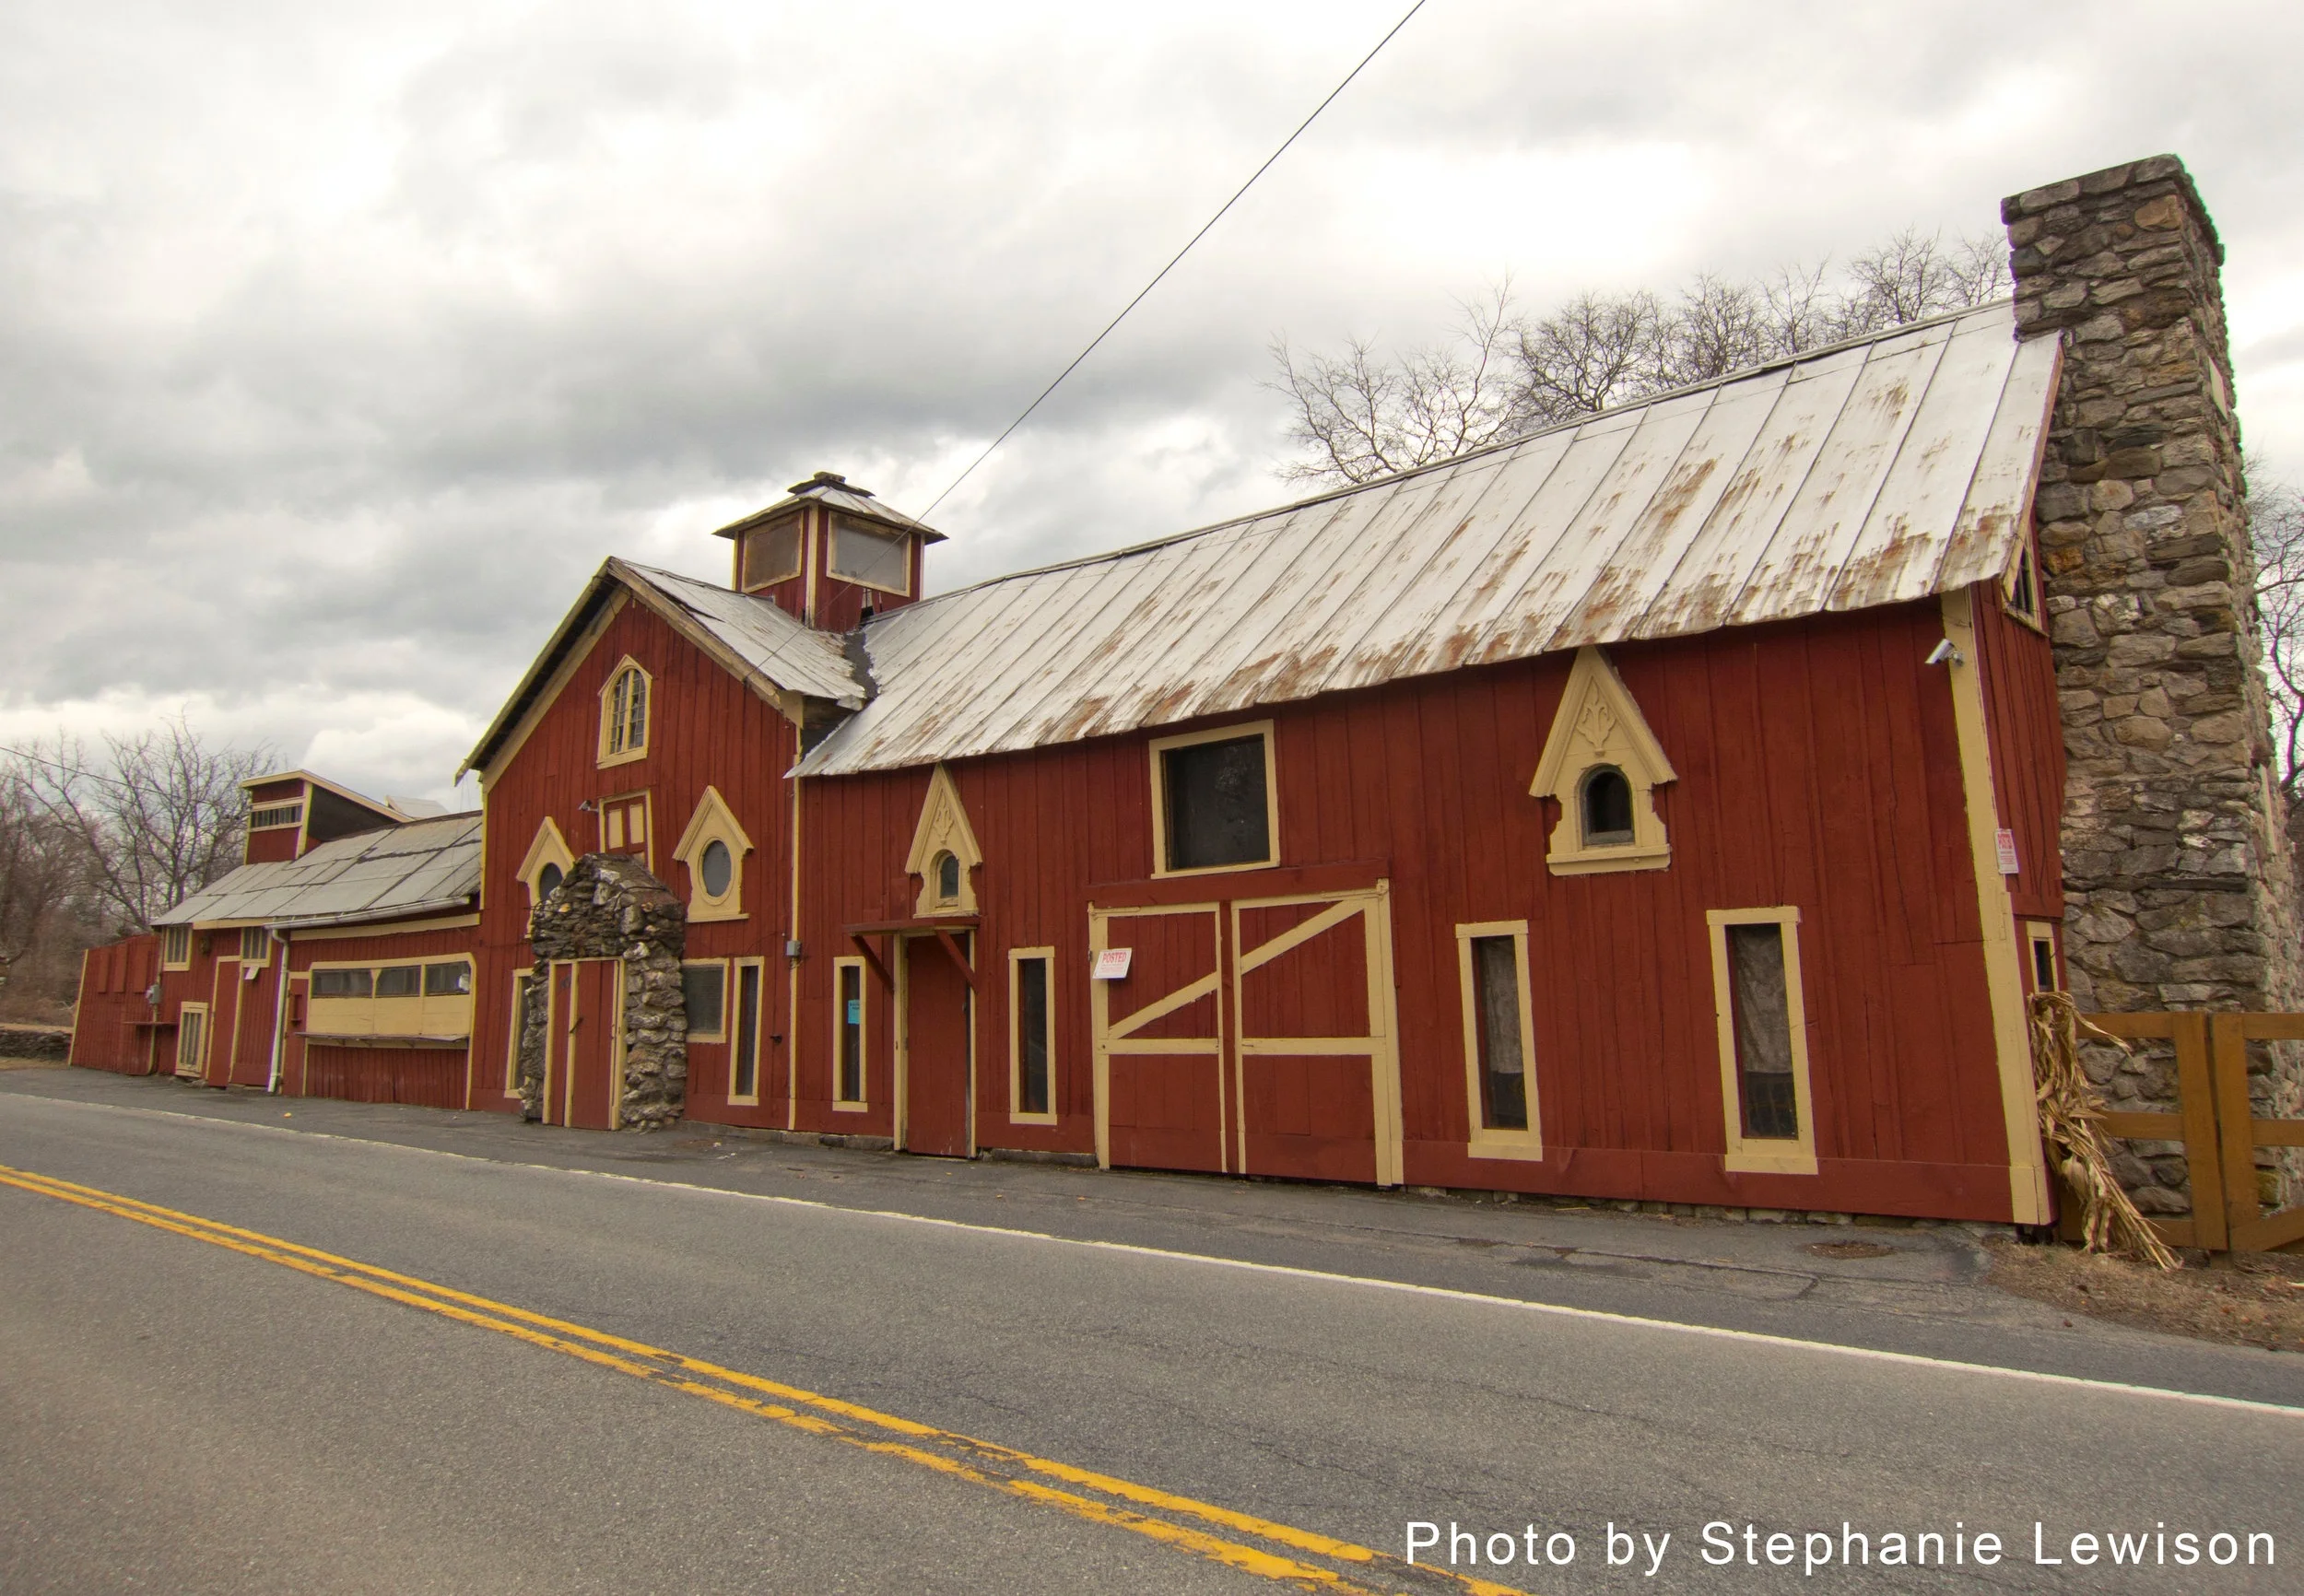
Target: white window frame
1158 748
1483 1142
1763 1155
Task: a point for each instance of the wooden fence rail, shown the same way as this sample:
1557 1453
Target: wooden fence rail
2217 1125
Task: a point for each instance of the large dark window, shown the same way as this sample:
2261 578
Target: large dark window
1503 1050
1607 807
705 989
1031 1035
1216 799
744 1064
1762 1007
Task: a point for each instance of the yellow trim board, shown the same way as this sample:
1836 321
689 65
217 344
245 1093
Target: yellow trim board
1017 958
2003 974
1763 1155
1598 725
1481 1141
1238 732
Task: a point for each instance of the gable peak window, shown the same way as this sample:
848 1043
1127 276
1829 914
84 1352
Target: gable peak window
944 854
1607 807
946 873
1214 801
624 713
870 556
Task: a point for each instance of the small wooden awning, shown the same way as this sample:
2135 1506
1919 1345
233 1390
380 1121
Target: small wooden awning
941 926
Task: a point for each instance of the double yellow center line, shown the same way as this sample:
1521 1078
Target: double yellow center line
1253 1545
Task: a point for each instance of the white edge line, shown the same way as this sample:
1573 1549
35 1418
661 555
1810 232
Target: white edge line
1716 1333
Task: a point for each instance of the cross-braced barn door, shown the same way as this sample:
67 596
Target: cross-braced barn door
1316 1069
1159 1034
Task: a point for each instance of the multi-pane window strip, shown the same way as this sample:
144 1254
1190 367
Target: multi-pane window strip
275 815
175 944
255 944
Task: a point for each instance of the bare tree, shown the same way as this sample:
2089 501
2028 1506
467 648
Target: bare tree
42 872
162 821
1359 415
2276 522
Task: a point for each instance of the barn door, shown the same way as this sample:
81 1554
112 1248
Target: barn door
1317 1071
1158 1035
583 1062
934 1047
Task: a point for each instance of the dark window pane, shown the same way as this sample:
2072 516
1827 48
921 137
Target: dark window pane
2043 966
547 880
1031 1020
340 984
705 986
447 979
1503 1051
947 878
1217 813
400 980
636 719
851 1000
1607 807
719 869
745 1071
1763 1029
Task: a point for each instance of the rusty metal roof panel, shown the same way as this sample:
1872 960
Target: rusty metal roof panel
1872 474
795 656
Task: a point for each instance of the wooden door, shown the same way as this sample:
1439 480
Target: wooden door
1316 1072
583 1084
936 1042
1159 1038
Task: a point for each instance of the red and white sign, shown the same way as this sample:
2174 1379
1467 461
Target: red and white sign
1112 964
2008 866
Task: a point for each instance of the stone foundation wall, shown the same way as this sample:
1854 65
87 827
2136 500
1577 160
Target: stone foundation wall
2179 877
610 907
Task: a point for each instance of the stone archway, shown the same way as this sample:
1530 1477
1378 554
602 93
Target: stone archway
610 907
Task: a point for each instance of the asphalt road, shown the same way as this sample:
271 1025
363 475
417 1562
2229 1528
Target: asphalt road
178 1414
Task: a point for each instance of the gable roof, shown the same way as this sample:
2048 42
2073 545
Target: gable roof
835 492
750 637
425 864
383 806
1886 470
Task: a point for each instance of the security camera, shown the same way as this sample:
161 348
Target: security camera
1943 653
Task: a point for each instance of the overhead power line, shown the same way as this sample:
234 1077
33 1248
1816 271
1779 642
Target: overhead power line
68 769
1179 254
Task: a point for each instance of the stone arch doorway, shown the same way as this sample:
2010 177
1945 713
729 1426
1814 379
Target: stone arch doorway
605 1041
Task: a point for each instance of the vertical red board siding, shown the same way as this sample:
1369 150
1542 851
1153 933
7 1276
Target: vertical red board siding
2026 733
429 1074
706 729
108 1029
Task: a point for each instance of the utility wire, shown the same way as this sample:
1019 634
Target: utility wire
1163 272
68 770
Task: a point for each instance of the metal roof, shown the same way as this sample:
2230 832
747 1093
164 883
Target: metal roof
795 656
1882 471
425 864
830 488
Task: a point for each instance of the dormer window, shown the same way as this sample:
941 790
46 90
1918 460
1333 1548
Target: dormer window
1607 807
624 714
944 884
871 558
771 554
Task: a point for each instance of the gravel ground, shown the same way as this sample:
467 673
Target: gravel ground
2255 1300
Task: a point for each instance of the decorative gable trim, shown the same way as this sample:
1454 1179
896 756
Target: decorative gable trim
1599 728
549 847
943 828
714 822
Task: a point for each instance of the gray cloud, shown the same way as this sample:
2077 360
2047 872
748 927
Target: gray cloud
336 348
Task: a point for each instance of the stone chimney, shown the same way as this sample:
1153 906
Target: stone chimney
2179 880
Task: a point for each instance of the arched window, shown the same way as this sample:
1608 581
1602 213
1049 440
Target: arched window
624 714
548 878
1607 807
947 873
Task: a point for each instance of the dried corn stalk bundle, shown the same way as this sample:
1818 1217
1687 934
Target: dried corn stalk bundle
2070 1121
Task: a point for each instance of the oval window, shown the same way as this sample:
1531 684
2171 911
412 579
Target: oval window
546 879
947 878
1607 808
718 869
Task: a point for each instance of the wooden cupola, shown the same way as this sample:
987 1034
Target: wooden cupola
830 554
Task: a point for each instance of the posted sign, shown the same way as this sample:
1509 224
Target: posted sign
1112 964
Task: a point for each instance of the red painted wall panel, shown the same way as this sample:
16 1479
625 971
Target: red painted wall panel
109 1024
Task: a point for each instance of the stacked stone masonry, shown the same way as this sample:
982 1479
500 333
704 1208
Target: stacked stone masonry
2179 882
610 907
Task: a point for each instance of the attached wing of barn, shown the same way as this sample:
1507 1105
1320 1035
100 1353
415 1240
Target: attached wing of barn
1872 474
425 865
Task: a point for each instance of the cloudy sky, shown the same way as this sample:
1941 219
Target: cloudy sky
338 344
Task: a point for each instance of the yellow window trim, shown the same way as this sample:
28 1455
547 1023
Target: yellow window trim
729 1004
198 1063
749 580
178 934
1484 1142
833 528
863 1035
524 975
943 827
547 847
2036 617
2038 935
1598 723
619 801
714 822
1763 1155
395 928
727 998
610 730
1016 956
442 1018
1159 745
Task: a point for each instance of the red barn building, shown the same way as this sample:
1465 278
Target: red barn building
1663 806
